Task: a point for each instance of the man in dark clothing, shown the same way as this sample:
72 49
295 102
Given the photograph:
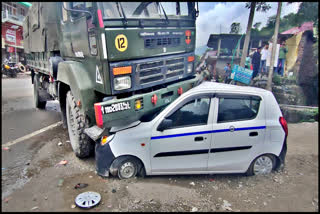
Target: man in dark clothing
256 62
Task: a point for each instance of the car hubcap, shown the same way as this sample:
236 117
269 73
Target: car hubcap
263 165
87 199
127 170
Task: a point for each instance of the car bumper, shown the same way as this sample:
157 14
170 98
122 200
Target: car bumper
104 158
119 112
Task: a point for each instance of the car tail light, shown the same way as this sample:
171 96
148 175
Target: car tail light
98 113
284 125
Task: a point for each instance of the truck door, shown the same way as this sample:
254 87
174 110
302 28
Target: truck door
183 147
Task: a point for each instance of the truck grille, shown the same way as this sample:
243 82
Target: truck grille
161 42
157 71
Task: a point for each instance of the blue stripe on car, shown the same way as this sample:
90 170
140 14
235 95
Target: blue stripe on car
206 132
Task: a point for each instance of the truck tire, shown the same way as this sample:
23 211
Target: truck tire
81 144
36 97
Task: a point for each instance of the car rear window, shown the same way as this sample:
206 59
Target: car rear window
235 109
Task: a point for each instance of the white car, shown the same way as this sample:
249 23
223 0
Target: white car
212 128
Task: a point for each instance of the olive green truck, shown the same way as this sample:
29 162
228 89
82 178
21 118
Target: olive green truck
109 63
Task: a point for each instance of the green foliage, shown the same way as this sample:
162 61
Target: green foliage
276 79
257 25
235 28
308 11
260 6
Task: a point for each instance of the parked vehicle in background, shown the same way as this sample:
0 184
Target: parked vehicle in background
212 128
108 63
9 69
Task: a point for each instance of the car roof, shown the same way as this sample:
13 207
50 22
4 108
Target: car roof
214 86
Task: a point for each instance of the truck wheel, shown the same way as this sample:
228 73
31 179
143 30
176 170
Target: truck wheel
81 144
36 97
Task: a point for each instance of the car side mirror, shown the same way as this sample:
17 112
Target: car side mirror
165 124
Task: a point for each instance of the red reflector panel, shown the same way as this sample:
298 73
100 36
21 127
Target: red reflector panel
284 125
154 99
98 113
180 91
190 58
100 19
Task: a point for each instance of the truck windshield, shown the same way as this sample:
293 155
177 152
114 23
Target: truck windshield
145 10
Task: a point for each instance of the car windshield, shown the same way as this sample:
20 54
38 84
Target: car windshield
145 10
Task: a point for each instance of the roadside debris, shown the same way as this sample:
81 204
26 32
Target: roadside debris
114 191
211 179
87 199
137 201
7 199
194 209
45 197
226 205
34 208
60 144
63 162
60 182
68 141
192 184
80 186
73 206
6 148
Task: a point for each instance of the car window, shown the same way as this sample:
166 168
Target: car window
192 113
234 109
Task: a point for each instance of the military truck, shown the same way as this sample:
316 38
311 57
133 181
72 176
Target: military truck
108 63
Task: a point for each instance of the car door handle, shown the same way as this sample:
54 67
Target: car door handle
198 139
252 134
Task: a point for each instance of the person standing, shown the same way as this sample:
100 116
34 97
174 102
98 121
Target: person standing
227 69
282 58
264 56
256 62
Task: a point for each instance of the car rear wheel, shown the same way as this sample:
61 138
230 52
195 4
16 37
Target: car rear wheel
38 102
263 164
128 168
81 144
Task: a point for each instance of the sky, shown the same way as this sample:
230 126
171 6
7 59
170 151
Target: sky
218 16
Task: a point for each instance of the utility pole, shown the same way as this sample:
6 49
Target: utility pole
247 38
274 47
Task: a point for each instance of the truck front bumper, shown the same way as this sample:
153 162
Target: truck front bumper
120 112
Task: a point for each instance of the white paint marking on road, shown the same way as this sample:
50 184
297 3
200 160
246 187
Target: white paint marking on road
31 134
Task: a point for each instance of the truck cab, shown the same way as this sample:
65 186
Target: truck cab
109 63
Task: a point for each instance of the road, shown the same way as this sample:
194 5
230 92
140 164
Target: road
19 116
33 181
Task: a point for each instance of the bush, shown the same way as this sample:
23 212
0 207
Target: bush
276 79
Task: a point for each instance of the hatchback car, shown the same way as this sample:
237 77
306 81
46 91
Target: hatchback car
212 128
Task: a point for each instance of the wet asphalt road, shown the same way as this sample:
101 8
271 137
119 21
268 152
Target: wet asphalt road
19 116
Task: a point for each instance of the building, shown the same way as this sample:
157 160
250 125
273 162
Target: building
12 16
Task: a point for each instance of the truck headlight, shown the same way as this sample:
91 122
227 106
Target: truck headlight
121 83
190 68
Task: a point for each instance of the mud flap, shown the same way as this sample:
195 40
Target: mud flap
282 156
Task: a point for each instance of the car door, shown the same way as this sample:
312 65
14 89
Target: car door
238 132
183 146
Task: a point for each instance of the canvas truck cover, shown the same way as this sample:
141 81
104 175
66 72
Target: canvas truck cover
40 28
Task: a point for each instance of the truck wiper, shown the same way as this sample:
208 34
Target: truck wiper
164 12
124 15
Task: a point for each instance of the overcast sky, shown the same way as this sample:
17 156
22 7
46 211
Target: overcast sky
214 16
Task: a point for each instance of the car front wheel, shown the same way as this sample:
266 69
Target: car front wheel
128 168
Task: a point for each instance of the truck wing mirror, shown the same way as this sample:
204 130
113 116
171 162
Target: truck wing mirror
165 124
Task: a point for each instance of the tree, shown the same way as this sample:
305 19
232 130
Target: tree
235 28
257 25
274 47
258 6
